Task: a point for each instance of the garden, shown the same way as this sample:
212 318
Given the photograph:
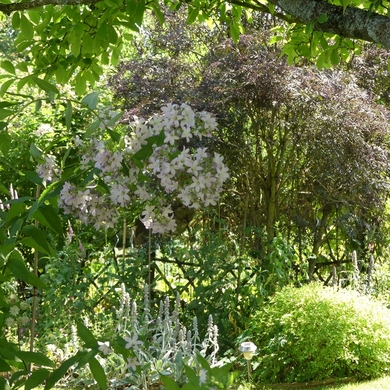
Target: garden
193 196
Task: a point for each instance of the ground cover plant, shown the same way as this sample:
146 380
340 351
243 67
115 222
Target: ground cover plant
312 333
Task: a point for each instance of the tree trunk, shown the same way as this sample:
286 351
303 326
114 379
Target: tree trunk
319 236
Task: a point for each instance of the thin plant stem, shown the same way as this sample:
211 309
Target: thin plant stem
150 263
35 291
124 244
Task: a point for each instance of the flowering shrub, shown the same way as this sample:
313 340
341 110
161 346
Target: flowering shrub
153 165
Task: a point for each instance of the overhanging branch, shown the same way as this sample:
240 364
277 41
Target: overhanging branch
354 23
27 5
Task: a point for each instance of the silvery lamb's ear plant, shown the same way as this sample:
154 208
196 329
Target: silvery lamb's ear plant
150 347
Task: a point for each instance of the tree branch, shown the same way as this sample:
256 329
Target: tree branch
354 23
23 6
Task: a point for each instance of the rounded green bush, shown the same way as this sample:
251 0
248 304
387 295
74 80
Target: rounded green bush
315 332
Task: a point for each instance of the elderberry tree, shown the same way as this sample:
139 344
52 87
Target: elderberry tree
151 167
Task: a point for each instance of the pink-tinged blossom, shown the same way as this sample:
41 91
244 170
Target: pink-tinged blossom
171 116
181 159
168 184
192 176
209 121
209 180
201 154
211 200
102 160
116 161
170 137
48 171
193 167
154 164
78 142
142 193
186 133
166 212
185 197
198 183
168 168
218 160
223 174
188 116
119 194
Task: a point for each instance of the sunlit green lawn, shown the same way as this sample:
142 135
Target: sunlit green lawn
379 384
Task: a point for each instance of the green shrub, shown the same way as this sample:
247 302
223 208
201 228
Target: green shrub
315 332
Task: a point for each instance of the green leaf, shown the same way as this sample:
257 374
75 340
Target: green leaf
4 366
5 143
37 240
4 87
35 151
87 358
75 45
36 378
23 66
169 383
27 28
45 85
192 14
157 11
334 56
92 128
33 177
234 31
81 84
91 100
191 375
8 66
139 12
4 113
22 82
48 216
114 119
16 20
116 137
35 357
16 211
68 114
4 384
63 369
115 56
17 266
322 18
345 4
86 335
98 373
34 16
144 153
321 61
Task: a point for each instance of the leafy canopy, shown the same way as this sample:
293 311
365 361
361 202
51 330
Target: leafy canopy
60 39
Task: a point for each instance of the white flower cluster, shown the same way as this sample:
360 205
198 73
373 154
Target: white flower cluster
169 170
48 170
17 312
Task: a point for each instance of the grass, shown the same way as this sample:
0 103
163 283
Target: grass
378 384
